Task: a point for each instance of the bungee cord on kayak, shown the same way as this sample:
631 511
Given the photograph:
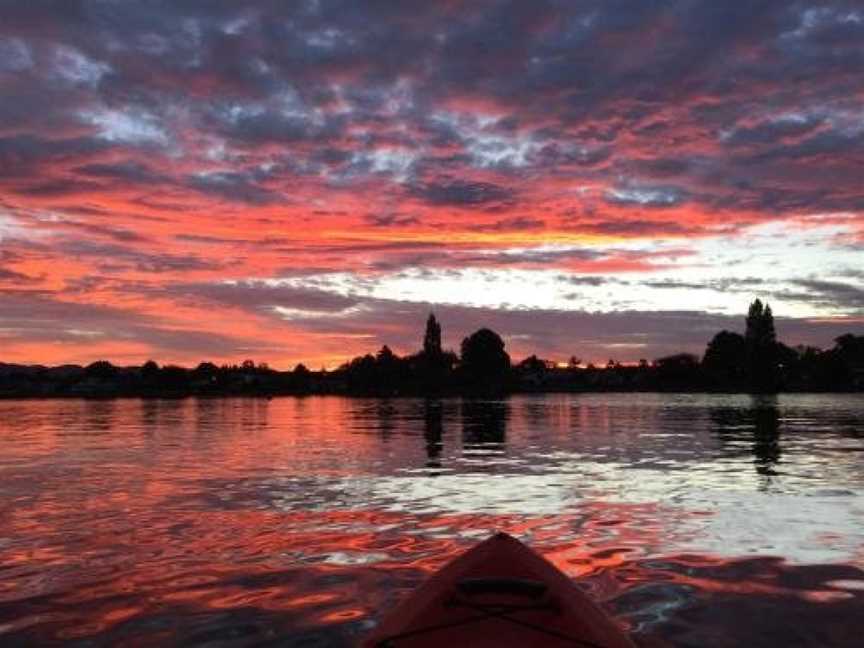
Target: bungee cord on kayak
499 593
500 612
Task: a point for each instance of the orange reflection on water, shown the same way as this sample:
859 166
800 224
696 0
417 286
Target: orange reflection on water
142 523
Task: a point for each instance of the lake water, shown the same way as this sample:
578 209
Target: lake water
695 520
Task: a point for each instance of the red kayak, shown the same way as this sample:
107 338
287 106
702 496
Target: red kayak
500 593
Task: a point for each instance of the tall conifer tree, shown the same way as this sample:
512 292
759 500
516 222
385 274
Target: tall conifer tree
432 338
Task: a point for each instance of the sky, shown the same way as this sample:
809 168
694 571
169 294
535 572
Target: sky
305 181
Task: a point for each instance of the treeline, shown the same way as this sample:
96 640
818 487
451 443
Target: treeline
758 362
754 361
103 380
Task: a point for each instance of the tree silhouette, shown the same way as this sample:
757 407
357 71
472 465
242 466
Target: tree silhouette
485 363
761 349
430 371
755 362
206 368
101 369
533 364
843 366
724 360
432 338
150 371
385 356
678 371
300 379
174 379
850 348
768 325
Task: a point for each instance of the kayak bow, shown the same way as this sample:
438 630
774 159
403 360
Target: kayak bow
499 593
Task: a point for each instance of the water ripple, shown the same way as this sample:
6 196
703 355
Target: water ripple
695 520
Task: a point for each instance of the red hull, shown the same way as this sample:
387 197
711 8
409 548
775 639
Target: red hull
500 593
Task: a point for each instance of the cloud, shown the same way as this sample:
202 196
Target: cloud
391 220
117 257
73 66
15 55
583 280
129 126
119 234
176 144
515 224
637 227
17 278
22 154
42 318
835 294
259 295
286 120
645 196
773 131
127 171
234 186
462 193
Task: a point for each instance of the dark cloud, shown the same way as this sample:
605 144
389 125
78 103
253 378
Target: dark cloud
836 294
554 155
516 224
771 132
637 228
461 193
323 80
235 187
114 256
218 240
745 285
19 154
7 275
257 295
59 187
251 125
588 280
671 283
119 234
47 317
128 171
391 220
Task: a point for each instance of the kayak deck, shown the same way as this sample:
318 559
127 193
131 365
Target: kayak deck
500 593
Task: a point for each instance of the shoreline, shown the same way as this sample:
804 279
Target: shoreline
407 396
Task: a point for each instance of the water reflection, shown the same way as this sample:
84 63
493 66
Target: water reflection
696 520
484 424
433 431
753 429
385 414
538 413
100 415
766 437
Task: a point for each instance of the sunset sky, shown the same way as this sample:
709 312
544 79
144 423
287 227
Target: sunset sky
305 180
